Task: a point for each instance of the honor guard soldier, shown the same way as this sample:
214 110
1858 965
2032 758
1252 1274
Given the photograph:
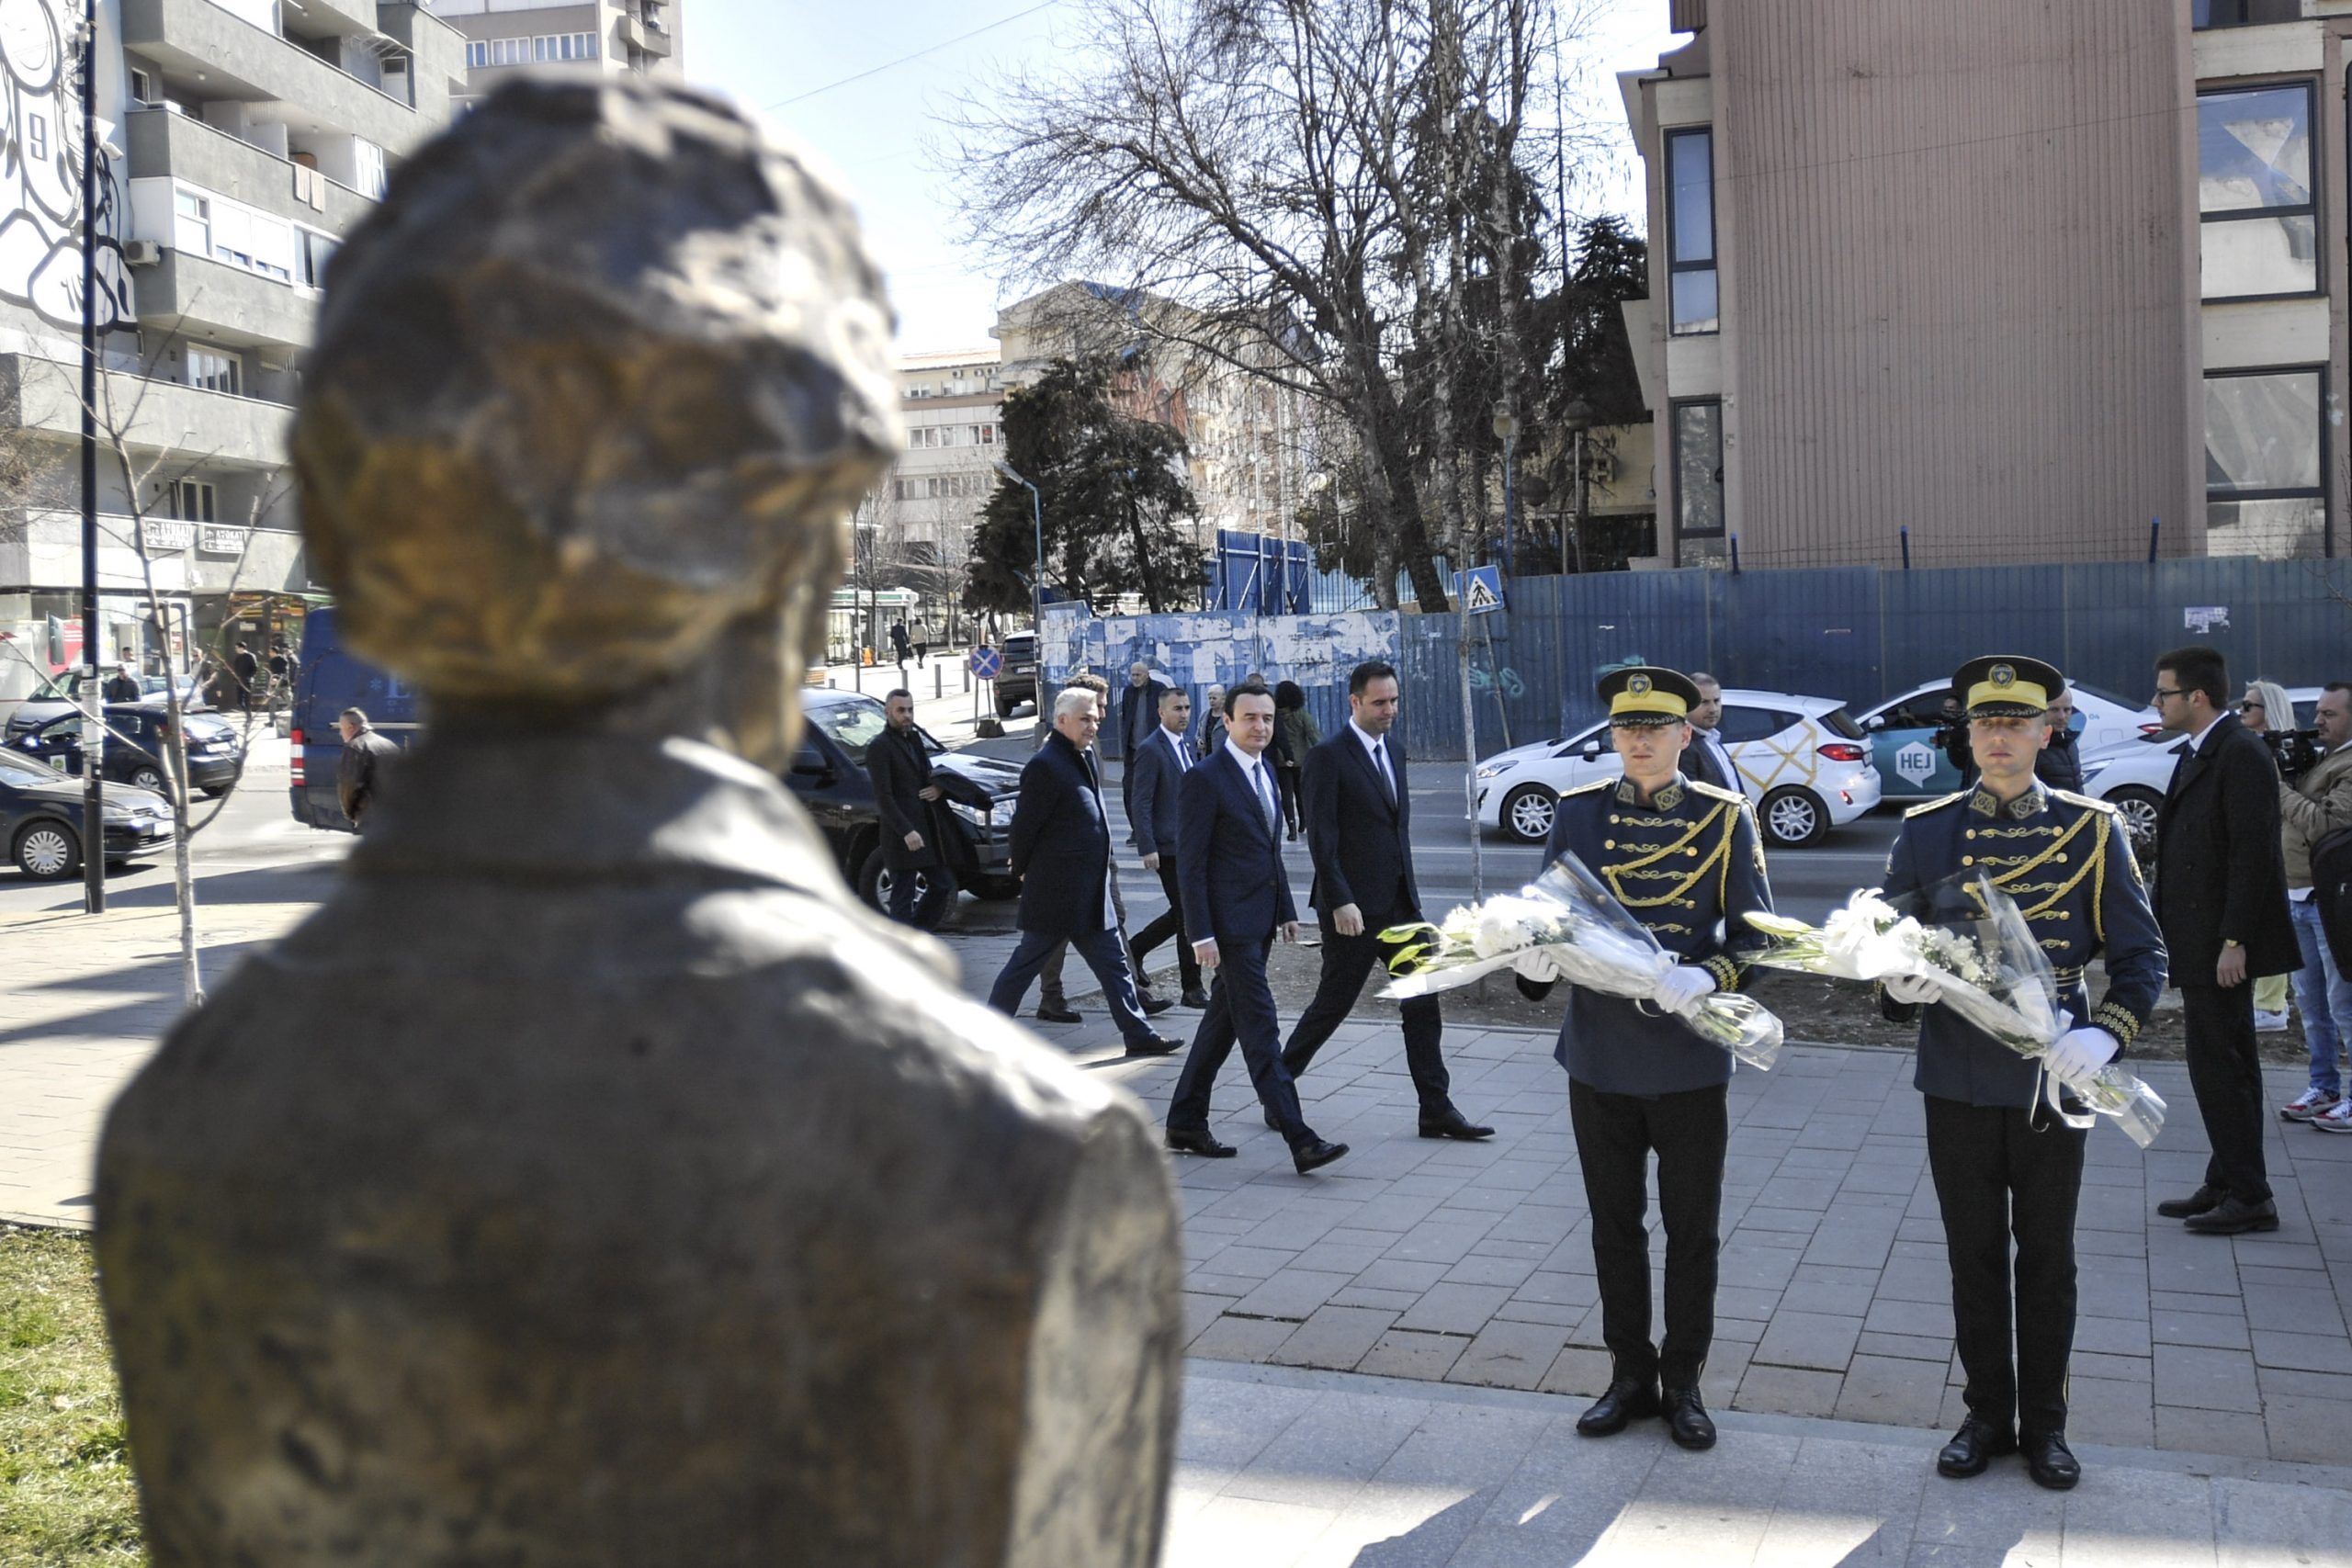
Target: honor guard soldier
1685 860
2005 1162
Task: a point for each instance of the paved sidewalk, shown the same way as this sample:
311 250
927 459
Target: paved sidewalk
1284 1469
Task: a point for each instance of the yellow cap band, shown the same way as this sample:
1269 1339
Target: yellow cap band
1650 701
2018 693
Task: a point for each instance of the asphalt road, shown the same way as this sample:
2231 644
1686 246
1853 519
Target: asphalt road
256 832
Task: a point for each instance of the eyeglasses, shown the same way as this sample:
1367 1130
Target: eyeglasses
2161 693
2249 706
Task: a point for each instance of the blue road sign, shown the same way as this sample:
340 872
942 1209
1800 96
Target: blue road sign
1482 590
987 662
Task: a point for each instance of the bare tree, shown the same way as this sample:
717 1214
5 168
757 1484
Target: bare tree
1314 189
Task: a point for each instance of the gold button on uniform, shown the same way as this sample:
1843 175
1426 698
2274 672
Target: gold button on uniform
1968 860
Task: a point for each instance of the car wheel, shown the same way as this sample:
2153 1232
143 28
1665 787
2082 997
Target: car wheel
874 880
1528 811
1795 818
149 778
2138 808
47 850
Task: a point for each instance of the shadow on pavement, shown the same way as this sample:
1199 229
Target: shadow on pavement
309 883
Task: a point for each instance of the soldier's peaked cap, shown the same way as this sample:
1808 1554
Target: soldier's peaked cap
2007 685
1646 694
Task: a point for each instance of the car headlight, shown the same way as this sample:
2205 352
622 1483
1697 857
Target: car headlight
1490 772
972 814
112 812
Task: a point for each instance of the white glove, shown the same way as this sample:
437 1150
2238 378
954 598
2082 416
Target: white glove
2079 1052
1914 990
1537 967
1682 988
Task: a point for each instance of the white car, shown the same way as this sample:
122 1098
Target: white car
1802 761
2134 775
1911 767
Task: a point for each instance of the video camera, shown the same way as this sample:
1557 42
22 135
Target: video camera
2297 751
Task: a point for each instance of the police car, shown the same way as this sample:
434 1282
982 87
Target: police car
1804 762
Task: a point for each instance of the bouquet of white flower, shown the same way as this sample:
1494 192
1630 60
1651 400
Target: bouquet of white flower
1572 915
1994 975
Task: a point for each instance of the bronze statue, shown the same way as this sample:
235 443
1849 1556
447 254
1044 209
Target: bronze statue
593 1180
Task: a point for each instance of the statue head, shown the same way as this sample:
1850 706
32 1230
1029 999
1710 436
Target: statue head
595 391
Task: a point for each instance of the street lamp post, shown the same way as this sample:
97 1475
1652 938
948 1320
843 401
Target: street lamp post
1037 576
1578 417
94 859
1507 427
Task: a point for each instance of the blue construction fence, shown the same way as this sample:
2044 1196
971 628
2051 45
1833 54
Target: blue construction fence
1857 633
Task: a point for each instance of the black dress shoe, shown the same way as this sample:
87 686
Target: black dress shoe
1059 1012
1316 1153
1199 1143
2050 1461
1977 1444
1195 998
2232 1217
1453 1124
1625 1401
2203 1200
1687 1418
1152 1006
1153 1045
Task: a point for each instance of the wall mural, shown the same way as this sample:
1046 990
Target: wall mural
40 175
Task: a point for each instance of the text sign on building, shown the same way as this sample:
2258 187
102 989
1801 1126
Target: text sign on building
169 536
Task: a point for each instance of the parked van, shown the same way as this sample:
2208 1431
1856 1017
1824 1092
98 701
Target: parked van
331 680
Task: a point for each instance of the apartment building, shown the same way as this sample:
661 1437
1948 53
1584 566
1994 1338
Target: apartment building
240 141
2003 282
590 35
954 412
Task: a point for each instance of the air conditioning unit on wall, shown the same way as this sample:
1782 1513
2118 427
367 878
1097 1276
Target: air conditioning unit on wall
141 252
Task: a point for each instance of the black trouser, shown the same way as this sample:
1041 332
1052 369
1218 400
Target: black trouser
1286 786
1169 924
2225 1073
1241 1007
1999 1175
1346 961
1615 1134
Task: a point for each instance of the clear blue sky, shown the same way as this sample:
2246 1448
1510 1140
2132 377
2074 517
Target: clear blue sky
766 52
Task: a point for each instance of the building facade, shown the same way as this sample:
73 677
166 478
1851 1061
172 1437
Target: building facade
239 141
2008 282
604 35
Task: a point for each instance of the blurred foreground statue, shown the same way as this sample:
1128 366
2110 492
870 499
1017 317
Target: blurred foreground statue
593 1180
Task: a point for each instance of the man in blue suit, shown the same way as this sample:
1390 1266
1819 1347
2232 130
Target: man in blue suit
1061 852
1157 766
1237 896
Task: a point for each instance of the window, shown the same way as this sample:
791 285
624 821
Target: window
312 251
1691 231
192 501
1698 480
499 51
985 435
563 46
142 87
2264 463
477 53
1741 724
192 227
215 371
2204 14
2260 233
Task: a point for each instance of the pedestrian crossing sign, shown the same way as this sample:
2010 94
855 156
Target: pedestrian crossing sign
1482 590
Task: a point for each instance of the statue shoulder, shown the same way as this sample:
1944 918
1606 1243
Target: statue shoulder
1954 799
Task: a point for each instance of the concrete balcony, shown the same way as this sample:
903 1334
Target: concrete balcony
658 41
330 19
628 33
244 62
162 143
226 431
219 303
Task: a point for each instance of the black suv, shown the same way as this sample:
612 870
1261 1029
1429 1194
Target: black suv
827 777
1017 681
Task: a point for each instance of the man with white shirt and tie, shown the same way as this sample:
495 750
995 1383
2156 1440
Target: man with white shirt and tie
1707 759
1359 828
1237 896
1157 766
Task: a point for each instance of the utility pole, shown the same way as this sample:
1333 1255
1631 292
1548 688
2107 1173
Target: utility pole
1037 577
94 841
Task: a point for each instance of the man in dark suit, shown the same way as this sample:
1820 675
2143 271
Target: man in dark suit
1237 896
1707 759
2221 899
1138 717
1157 764
1359 828
899 769
1061 852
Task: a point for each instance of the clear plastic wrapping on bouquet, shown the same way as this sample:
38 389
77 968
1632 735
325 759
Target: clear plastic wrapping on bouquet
1970 938
1571 915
